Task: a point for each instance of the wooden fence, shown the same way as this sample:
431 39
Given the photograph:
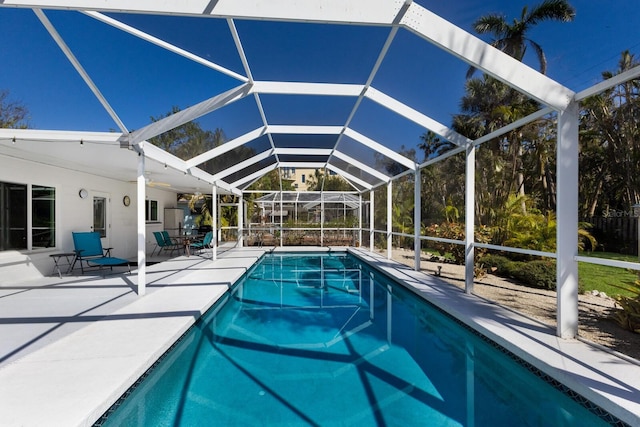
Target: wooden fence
615 233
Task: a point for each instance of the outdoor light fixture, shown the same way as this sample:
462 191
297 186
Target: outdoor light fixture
83 193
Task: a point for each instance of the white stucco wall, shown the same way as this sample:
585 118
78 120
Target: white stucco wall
76 214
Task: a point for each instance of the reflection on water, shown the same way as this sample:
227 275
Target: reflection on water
325 340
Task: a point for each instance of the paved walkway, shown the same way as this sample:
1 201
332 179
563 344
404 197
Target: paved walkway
70 347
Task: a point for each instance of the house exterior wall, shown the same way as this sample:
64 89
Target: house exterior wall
299 177
76 214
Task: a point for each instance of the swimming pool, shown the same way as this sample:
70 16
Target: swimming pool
323 339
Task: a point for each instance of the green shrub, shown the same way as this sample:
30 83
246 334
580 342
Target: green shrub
537 274
629 315
455 231
496 263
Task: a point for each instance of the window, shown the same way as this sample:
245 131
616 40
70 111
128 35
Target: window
302 178
100 215
16 201
43 223
151 210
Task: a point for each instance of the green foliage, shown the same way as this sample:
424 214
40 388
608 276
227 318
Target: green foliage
321 182
292 223
528 228
271 181
189 140
604 278
348 222
610 280
496 263
536 273
533 231
628 316
610 144
199 203
391 166
13 114
451 213
512 37
455 231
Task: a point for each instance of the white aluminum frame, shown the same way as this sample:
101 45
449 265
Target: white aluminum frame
395 14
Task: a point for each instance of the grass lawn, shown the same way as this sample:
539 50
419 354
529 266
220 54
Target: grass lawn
604 278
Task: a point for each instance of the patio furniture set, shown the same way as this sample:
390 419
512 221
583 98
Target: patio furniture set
88 251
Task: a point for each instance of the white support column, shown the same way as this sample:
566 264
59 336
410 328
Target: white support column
389 219
321 219
240 219
567 222
142 229
214 222
469 215
417 219
281 223
371 221
359 244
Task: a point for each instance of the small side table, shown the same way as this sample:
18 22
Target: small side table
69 257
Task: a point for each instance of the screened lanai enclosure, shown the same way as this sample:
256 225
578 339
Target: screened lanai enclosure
360 97
305 219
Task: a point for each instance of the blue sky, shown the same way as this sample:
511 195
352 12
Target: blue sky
141 80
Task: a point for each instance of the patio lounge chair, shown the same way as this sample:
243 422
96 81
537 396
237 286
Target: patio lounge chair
204 243
163 241
88 248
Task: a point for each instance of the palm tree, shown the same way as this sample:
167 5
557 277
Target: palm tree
512 39
611 143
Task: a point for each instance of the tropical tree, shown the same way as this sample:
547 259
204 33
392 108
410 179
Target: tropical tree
513 38
432 145
440 181
268 182
322 182
314 181
271 182
489 105
610 144
189 140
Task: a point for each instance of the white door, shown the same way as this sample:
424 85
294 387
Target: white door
101 218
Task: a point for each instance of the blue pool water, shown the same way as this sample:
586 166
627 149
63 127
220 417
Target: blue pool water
325 340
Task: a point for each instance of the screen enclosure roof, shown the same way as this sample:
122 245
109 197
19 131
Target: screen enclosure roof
292 84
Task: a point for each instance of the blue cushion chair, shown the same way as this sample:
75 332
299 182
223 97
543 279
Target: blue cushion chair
163 241
88 248
204 243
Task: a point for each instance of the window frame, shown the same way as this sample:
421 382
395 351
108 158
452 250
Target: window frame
149 211
29 217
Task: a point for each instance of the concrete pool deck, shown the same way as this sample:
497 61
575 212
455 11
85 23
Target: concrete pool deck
71 347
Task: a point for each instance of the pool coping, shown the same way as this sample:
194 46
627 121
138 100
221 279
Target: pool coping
608 381
76 378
